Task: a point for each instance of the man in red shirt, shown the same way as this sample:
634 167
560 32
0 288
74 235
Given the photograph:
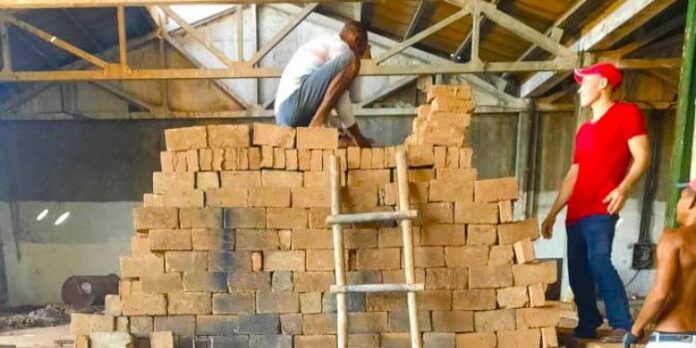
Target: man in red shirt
595 189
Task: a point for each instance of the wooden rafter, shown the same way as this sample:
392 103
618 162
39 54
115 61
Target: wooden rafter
122 48
33 4
415 20
6 54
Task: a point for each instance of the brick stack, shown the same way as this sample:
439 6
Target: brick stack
232 244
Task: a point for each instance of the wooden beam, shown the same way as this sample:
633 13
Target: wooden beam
614 26
196 35
475 37
6 53
415 20
239 31
358 11
650 36
284 31
34 4
123 54
422 35
467 40
53 40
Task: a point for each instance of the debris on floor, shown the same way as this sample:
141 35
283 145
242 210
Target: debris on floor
28 317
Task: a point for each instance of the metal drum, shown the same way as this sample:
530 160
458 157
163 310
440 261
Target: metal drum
80 292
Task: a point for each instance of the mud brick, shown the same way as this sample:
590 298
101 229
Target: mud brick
272 135
281 178
466 154
505 208
165 182
353 157
390 156
394 340
226 197
257 240
284 261
382 302
515 232
218 159
248 281
476 213
397 276
360 238
453 321
399 321
419 175
125 286
311 197
229 341
243 158
365 158
459 277
161 283
192 161
377 160
200 217
220 136
290 324
180 162
291 159
314 341
473 299
153 200
452 159
524 251
418 193
451 191
229 261
185 261
450 91
515 297
365 277
391 237
529 338
189 303
80 324
281 281
434 213
368 322
277 302
180 325
537 295
456 174
170 240
313 281
254 158
240 179
110 339
140 326
161 339
230 159
535 273
478 340
326 159
121 324
371 177
112 305
304 159
342 157
495 190
439 157
317 180
278 197
167 161
320 260
285 239
205 281
286 218
310 302
179 139
549 337
216 325
500 255
266 157
317 138
468 256
443 234
207 180
140 303
245 217
137 266
256 261
481 234
186 198
259 324
438 340
312 239
140 245
270 341
386 258
497 320
370 340
498 276
420 155
212 239
435 300
316 160
429 256
149 218
278 158
359 196
356 302
538 317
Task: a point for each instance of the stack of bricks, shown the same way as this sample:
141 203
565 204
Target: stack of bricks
231 247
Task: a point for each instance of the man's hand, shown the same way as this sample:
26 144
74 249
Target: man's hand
630 339
616 200
547 226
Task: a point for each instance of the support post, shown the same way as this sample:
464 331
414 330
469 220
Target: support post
122 53
6 54
522 158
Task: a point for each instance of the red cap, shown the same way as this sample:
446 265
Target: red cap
606 70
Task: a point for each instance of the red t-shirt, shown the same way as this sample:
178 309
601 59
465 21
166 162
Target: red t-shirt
603 156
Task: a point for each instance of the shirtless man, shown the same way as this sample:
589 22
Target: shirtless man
672 299
317 79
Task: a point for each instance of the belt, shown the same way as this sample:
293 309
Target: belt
673 337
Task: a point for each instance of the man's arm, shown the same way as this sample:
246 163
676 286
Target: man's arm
667 266
564 193
638 146
335 90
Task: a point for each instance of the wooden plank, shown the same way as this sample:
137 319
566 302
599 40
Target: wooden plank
34 4
6 53
339 261
53 40
239 31
415 20
122 53
196 35
363 288
284 31
422 35
371 217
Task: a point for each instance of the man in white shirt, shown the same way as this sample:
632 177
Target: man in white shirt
317 79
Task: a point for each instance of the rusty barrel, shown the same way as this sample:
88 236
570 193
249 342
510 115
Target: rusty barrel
80 292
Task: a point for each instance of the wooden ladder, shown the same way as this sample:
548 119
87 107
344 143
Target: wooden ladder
404 216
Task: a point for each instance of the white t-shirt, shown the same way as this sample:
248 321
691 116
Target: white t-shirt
309 57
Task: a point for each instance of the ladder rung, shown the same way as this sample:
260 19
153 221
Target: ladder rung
371 217
377 288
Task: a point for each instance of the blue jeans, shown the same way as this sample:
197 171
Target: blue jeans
589 266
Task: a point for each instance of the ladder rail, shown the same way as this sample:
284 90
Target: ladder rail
339 261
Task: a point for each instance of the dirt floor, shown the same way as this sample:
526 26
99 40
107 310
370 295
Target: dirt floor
45 337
